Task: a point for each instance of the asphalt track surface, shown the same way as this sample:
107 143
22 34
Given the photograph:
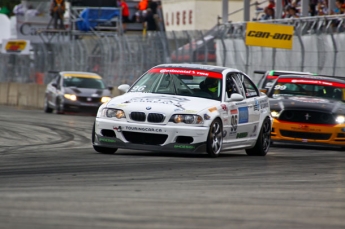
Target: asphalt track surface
50 177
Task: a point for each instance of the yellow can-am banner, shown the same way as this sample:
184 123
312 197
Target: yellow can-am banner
269 35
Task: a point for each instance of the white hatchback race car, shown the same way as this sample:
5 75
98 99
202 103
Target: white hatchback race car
186 108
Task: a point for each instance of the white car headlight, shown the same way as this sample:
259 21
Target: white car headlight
340 119
70 97
275 114
188 119
105 99
113 113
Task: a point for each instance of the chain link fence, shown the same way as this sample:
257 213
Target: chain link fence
317 47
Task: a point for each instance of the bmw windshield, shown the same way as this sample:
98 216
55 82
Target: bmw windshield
177 81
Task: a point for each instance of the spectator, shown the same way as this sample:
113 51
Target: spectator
57 11
339 7
322 7
5 10
292 12
19 9
153 5
269 14
141 13
149 21
125 14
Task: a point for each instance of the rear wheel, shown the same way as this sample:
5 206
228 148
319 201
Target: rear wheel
47 109
101 149
215 138
263 142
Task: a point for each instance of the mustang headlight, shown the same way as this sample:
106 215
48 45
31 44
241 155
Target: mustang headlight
113 113
105 99
70 97
188 119
340 119
275 114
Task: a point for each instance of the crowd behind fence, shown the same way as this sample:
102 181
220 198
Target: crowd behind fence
317 47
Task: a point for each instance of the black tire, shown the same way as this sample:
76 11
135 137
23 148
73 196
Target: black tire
215 138
263 142
47 109
59 106
100 149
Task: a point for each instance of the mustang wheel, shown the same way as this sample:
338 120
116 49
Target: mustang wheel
47 109
100 149
263 142
215 138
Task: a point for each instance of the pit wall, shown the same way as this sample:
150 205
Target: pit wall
27 95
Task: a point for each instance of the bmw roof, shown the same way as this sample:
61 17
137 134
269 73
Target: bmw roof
315 77
197 66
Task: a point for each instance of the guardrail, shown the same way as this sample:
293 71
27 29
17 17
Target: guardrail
122 58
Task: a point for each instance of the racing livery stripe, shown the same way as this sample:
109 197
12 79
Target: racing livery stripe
188 72
311 81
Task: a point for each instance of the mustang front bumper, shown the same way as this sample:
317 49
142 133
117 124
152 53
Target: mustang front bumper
308 133
145 136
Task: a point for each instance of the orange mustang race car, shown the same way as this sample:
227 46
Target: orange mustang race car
308 109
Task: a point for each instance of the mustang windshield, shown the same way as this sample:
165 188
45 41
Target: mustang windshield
308 87
185 82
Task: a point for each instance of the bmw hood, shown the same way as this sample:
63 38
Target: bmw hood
85 92
161 103
307 103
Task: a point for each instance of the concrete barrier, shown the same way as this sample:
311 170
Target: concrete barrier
27 94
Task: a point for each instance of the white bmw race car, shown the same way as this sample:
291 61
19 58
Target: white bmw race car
186 108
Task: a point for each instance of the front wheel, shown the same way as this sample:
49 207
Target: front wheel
47 109
215 138
100 149
263 142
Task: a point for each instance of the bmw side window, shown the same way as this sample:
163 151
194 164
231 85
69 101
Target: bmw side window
239 84
231 86
249 87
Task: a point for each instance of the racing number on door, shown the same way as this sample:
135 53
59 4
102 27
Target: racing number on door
233 122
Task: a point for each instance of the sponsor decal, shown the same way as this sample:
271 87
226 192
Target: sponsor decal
212 109
256 105
233 123
175 101
242 135
243 115
269 35
118 129
144 129
178 109
280 87
107 140
233 111
224 107
305 128
184 147
188 72
309 100
189 111
241 103
263 104
311 81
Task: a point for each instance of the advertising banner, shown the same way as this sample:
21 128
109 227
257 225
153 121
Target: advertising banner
269 35
21 47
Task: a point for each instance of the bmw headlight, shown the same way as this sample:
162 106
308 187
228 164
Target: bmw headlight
275 114
340 119
187 118
113 113
70 97
105 99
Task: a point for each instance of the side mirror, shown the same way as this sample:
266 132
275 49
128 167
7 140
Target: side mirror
263 90
123 87
235 97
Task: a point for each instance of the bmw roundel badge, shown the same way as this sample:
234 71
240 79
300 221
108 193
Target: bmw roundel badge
148 108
